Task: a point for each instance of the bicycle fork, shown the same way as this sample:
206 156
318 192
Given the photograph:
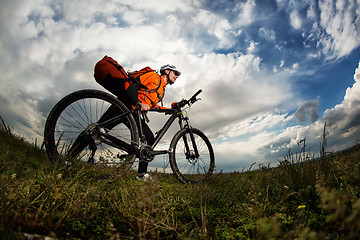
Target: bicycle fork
191 154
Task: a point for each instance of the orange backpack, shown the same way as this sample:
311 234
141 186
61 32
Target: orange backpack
108 65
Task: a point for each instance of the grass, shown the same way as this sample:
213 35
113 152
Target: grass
300 199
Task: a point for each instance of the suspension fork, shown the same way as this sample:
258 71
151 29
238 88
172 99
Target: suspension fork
192 138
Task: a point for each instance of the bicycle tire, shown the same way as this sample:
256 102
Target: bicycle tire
191 169
75 113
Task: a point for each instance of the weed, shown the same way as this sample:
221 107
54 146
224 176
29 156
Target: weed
303 198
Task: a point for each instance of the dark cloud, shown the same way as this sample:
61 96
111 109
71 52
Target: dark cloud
308 111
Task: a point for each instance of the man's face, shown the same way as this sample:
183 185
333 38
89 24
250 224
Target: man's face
172 77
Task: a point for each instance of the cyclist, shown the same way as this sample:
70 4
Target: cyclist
146 100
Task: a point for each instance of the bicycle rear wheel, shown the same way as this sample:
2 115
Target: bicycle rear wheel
186 165
73 129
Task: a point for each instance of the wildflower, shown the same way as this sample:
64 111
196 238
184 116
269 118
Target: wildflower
301 206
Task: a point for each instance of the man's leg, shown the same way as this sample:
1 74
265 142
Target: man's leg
150 139
116 87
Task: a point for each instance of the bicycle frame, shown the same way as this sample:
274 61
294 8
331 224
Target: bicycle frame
175 113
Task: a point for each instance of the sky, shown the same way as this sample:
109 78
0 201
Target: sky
272 71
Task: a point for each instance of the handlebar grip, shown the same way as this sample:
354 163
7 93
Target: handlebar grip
197 93
193 98
183 102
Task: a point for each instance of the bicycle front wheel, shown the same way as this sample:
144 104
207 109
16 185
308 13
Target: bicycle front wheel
191 159
74 129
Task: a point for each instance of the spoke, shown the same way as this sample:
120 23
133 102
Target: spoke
83 109
69 125
71 115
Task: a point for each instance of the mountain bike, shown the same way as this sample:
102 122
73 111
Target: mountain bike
96 127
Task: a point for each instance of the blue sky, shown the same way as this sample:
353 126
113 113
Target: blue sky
272 72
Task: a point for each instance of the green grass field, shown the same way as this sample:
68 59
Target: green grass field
298 200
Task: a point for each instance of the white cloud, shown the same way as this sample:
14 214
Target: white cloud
344 118
311 12
342 122
295 20
341 22
216 26
246 10
268 34
282 63
264 136
260 123
252 47
163 6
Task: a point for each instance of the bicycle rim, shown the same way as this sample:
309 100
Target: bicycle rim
187 167
80 112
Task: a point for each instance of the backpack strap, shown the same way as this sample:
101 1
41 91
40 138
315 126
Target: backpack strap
129 78
137 82
152 90
155 90
137 78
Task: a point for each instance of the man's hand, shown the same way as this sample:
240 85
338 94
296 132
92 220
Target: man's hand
144 107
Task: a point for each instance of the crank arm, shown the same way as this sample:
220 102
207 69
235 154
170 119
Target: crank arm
159 152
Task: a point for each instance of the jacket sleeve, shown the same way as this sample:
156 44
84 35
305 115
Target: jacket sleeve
159 106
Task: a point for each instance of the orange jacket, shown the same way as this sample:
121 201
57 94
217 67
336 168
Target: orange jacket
155 93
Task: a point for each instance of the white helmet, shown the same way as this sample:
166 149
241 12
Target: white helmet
170 67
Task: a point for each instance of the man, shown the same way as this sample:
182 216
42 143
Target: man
151 99
144 98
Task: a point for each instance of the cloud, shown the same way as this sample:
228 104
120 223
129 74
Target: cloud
308 111
295 20
268 34
57 46
329 29
341 22
242 55
342 125
344 118
216 26
264 139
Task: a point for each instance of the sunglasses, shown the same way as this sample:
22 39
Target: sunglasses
176 73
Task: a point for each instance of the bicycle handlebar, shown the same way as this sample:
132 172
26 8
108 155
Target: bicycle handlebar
177 105
191 100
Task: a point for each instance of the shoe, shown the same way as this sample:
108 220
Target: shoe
144 177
